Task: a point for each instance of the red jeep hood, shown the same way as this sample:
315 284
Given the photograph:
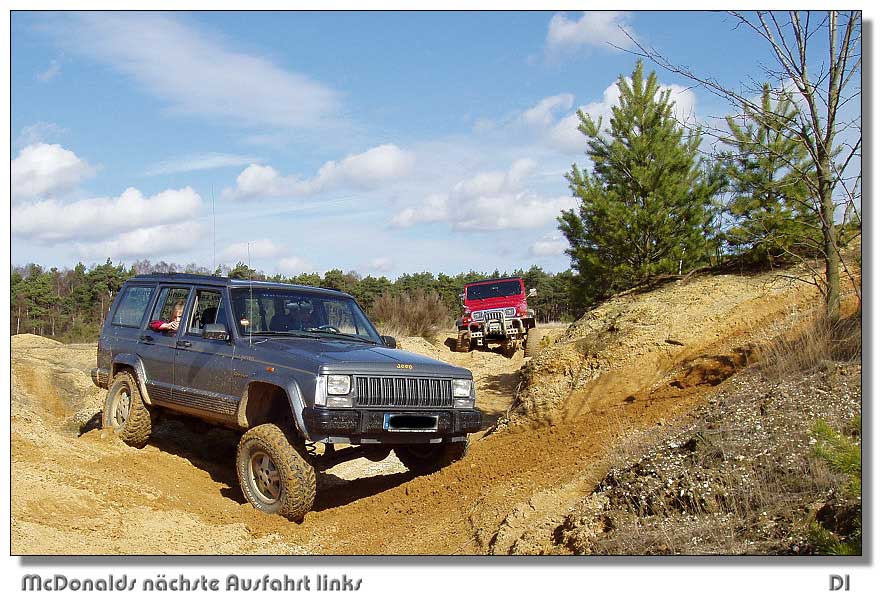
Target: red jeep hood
497 302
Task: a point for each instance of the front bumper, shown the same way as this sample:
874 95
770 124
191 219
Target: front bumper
510 327
371 425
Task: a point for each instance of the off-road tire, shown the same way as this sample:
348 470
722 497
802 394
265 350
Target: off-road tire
428 458
286 464
133 426
533 344
464 342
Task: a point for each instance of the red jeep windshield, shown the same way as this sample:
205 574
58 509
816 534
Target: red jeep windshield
493 289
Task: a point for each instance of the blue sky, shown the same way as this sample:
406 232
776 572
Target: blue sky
379 142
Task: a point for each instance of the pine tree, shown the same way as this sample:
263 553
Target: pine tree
773 216
645 205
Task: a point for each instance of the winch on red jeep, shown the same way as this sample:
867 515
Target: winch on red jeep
495 312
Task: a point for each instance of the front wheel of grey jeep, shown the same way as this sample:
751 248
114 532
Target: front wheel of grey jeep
274 476
428 458
125 412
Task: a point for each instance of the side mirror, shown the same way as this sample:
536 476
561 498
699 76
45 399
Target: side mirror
531 293
215 331
389 342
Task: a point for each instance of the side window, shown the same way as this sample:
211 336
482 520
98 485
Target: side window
170 307
207 309
132 306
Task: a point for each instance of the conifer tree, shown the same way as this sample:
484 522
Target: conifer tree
645 205
773 215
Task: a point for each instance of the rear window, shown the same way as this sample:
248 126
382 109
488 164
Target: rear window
493 289
132 306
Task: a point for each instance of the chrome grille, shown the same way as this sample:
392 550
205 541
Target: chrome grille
397 391
493 314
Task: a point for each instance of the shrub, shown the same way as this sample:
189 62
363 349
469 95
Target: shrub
416 313
840 532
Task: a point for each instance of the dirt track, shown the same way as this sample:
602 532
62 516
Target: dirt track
93 494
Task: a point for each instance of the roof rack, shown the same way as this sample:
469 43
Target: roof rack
193 278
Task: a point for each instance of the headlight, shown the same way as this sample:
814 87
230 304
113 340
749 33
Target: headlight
478 315
339 385
509 311
462 388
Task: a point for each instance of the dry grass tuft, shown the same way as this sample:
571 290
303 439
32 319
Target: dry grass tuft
417 313
813 345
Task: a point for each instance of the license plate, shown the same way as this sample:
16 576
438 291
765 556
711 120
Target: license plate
396 422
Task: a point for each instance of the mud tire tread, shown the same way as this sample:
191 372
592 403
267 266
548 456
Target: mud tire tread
296 475
137 428
533 344
463 342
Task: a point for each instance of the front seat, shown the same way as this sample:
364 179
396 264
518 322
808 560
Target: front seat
208 316
279 323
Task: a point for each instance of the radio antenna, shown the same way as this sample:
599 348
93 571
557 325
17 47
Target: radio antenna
250 296
213 233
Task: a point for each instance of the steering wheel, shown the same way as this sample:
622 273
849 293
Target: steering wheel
328 327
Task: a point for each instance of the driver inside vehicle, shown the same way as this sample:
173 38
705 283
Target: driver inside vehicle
302 316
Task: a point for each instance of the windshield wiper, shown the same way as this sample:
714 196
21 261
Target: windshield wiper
291 334
344 335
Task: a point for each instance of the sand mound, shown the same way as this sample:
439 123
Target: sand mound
624 347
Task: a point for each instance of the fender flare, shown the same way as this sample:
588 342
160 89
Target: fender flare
133 361
295 404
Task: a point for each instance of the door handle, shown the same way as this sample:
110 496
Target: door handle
145 338
184 344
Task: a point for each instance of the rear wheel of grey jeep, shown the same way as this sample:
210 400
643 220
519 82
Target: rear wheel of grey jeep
428 458
273 474
125 412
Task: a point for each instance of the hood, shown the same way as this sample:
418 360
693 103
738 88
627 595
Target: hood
341 356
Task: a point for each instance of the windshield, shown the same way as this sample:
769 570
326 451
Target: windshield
493 289
286 312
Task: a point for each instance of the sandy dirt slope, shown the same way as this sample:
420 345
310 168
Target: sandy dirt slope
93 494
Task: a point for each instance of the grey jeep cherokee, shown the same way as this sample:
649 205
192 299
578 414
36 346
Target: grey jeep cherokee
291 366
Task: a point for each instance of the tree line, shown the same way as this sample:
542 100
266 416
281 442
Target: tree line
71 304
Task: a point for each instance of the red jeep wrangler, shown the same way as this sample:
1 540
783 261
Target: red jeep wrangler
495 311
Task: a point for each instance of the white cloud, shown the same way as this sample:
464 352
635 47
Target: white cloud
543 113
50 73
369 169
41 169
548 246
381 264
199 162
488 201
256 249
600 29
293 266
153 242
433 210
41 131
197 74
565 135
102 217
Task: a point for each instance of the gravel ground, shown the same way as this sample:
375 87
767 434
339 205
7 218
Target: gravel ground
738 475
